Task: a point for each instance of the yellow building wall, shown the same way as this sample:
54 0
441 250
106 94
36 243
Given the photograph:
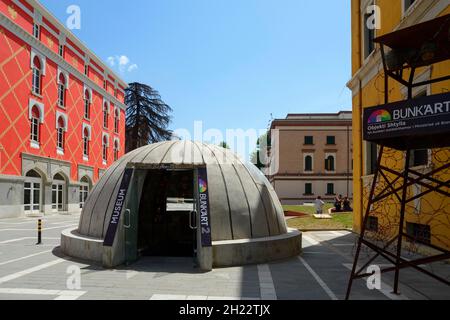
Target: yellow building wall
434 208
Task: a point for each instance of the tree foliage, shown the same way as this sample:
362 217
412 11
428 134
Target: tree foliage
147 116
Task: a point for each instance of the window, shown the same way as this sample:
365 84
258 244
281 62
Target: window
105 84
61 50
36 31
35 124
329 163
371 157
116 150
308 163
331 140
37 76
369 36
419 158
309 140
60 134
408 4
372 224
86 69
330 188
105 115
84 191
86 143
419 232
105 149
308 189
62 90
32 192
116 120
87 104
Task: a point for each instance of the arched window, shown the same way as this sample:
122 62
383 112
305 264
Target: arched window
116 150
60 138
58 193
308 163
116 120
329 163
85 185
86 142
62 90
37 76
35 124
105 115
32 192
87 104
105 148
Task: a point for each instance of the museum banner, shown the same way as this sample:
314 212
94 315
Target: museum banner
203 202
118 207
429 115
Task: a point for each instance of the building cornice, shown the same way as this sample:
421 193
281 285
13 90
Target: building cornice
32 157
424 10
36 44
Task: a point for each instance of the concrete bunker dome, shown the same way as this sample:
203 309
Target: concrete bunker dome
247 222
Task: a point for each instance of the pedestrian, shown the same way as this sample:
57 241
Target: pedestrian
319 205
346 205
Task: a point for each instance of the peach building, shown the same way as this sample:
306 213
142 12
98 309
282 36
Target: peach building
314 157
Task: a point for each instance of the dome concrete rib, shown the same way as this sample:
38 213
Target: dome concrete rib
243 204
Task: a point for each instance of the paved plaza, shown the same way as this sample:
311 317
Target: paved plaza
40 272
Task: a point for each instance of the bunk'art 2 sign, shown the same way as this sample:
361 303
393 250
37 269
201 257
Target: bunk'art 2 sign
422 116
205 218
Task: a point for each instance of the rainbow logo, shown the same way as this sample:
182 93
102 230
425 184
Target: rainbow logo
380 116
202 186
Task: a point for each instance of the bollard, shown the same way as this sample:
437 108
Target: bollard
39 232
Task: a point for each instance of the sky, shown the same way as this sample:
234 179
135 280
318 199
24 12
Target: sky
232 64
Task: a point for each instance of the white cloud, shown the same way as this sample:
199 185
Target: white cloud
123 60
133 67
111 61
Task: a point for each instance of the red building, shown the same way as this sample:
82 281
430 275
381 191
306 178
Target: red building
62 116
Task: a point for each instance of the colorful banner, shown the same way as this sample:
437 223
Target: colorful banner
423 116
118 207
205 218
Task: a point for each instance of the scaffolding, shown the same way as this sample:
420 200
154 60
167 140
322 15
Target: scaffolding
418 46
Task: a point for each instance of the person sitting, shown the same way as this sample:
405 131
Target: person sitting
346 205
338 203
319 205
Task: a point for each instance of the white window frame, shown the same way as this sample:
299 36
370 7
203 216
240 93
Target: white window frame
116 120
116 150
105 148
108 110
36 31
86 140
87 103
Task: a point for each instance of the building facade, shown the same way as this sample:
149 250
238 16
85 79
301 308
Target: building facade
367 86
314 157
62 114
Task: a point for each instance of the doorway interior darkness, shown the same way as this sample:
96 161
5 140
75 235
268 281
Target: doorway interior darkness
166 225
